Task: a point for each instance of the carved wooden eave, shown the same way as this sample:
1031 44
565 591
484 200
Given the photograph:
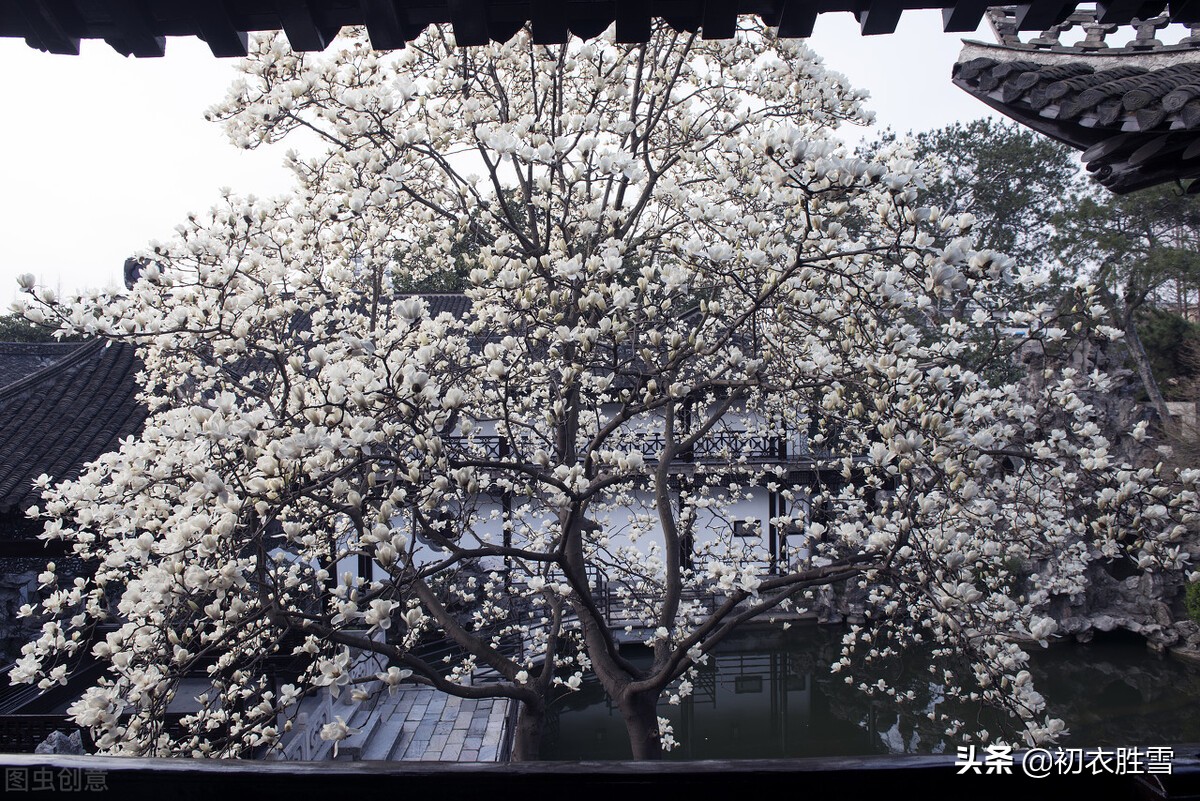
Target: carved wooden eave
140 27
1133 109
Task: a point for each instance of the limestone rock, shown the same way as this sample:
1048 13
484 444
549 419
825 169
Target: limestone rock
58 742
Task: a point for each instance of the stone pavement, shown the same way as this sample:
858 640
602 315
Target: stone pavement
419 723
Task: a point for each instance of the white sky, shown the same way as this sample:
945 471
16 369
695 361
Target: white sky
101 154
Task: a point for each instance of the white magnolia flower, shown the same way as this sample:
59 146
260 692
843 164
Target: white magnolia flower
336 732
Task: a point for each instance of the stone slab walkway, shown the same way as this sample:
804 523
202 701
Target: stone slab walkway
419 723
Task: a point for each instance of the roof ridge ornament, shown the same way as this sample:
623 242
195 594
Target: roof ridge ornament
1004 23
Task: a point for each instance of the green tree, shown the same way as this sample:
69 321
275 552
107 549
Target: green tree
1141 251
1011 179
1004 184
1172 343
14 328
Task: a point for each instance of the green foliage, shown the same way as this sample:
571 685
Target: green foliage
1141 252
1137 245
1013 180
1191 600
17 329
1173 344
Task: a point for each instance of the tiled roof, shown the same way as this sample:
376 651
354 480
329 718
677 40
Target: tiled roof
19 359
1137 119
454 304
55 419
64 404
1132 106
140 28
1121 98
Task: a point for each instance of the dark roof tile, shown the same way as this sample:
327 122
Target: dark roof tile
1091 106
1190 114
70 412
20 359
454 304
1109 111
1150 117
1176 99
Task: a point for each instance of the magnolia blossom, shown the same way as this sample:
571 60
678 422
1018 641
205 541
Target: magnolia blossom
336 731
682 296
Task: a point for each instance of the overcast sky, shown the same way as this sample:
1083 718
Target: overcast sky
102 154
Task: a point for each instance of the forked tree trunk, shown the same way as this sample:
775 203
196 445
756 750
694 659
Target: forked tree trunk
527 740
640 711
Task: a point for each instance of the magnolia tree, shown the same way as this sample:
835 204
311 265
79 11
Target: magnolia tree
666 259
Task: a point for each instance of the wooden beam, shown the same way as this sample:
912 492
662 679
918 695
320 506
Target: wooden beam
1185 10
881 17
217 29
46 31
798 19
964 16
504 30
136 27
549 18
469 20
135 778
384 27
772 533
304 32
1118 12
688 22
1041 14
136 35
585 28
633 21
720 19
769 11
1151 9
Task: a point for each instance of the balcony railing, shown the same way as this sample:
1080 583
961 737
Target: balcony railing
725 445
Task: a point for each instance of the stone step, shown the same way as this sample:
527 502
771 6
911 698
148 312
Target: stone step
388 733
351 749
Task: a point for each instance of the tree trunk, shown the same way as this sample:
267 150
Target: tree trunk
640 711
527 740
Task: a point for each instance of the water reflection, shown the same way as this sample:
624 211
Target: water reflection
771 695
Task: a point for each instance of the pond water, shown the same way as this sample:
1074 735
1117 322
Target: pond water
768 696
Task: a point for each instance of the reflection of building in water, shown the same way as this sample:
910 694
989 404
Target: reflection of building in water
755 699
764 700
767 696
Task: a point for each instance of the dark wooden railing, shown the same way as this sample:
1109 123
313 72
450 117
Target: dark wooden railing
20 734
929 777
